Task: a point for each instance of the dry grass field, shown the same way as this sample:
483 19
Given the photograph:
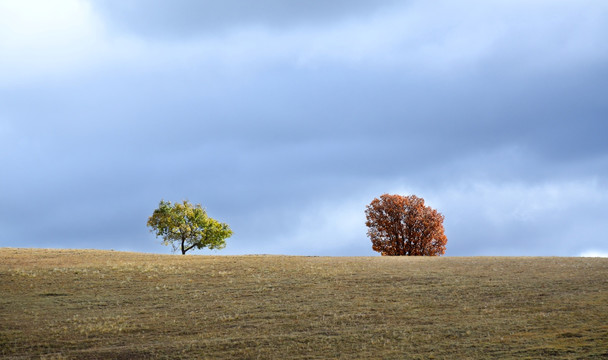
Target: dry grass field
78 304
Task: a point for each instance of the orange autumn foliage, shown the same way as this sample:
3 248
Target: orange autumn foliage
403 225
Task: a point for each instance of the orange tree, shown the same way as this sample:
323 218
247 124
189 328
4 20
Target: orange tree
403 225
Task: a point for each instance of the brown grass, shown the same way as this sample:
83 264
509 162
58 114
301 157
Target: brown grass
57 304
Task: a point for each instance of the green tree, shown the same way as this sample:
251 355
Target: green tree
186 226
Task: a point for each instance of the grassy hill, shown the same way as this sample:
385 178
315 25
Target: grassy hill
101 304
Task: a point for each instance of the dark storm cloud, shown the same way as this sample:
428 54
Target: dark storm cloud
284 145
194 17
288 143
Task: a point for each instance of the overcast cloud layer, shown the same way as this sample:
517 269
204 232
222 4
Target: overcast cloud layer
285 119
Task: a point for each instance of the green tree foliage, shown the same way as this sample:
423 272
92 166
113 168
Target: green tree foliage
186 226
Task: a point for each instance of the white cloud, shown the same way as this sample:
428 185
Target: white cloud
594 253
548 218
531 218
61 38
39 37
511 218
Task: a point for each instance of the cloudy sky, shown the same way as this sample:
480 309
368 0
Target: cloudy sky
286 118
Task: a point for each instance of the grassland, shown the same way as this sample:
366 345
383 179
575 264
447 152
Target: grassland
81 304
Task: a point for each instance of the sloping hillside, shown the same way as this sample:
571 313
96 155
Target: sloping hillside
104 304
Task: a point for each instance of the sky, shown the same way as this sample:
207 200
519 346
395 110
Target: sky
285 119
